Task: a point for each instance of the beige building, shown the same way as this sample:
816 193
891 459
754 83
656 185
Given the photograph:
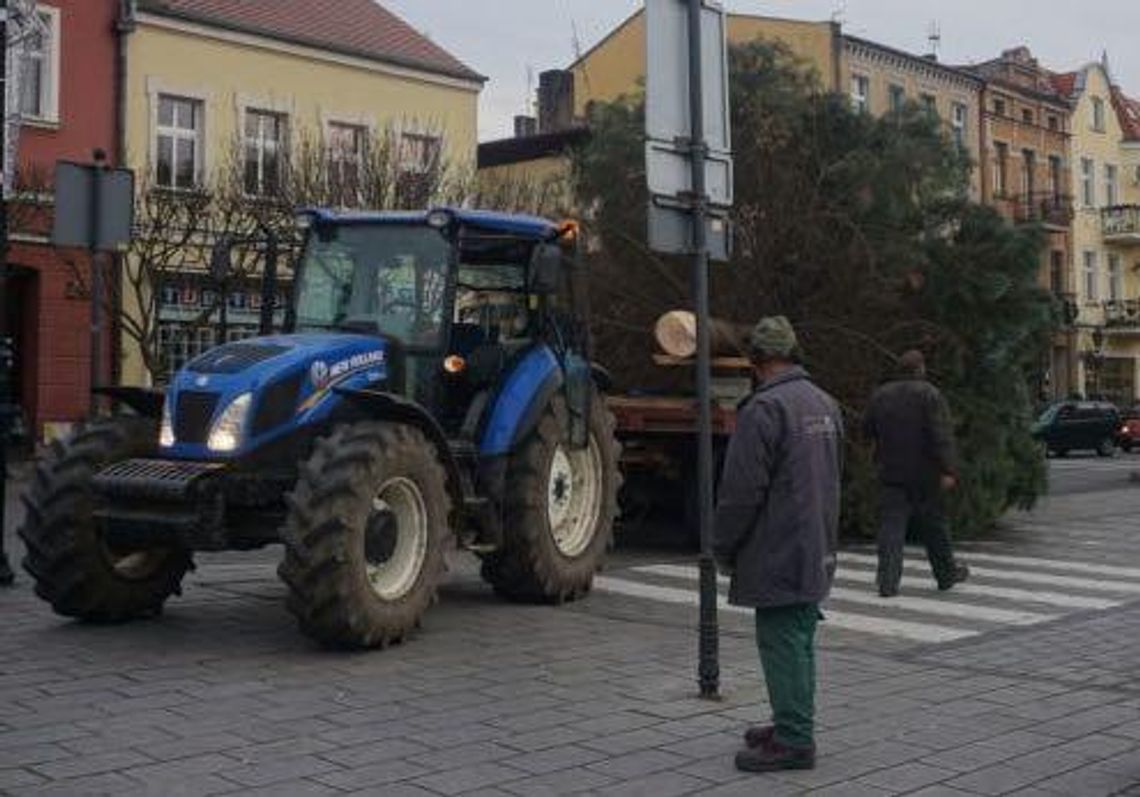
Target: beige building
1106 233
882 79
211 82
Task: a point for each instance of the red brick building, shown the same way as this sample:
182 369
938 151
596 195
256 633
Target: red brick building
69 105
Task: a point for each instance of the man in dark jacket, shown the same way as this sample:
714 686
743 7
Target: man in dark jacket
909 422
776 533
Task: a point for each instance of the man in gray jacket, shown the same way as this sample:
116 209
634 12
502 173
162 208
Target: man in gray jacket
776 533
909 422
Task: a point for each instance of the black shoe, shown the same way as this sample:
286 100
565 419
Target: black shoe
771 756
888 592
961 574
7 577
758 735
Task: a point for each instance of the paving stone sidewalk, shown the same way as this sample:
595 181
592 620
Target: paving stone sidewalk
223 696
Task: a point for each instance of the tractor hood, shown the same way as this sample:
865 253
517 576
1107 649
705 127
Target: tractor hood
252 392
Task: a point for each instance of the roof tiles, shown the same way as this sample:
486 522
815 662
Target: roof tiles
352 27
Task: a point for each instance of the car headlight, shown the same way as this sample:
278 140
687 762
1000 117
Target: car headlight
226 433
166 430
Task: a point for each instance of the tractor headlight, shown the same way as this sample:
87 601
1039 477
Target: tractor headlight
166 430
226 433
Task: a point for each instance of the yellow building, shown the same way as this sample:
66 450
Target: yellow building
1106 233
208 82
616 65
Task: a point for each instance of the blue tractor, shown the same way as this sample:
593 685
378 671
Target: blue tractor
435 389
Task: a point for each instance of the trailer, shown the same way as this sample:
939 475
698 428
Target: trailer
658 434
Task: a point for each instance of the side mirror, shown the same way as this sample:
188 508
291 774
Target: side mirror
221 259
546 269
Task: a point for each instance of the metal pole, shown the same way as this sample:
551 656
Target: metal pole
708 670
6 576
96 284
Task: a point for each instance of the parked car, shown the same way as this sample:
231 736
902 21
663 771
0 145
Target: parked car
1079 426
1129 435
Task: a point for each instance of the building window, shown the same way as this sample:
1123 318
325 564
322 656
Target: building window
1054 122
1088 182
958 122
1057 272
1027 116
1098 114
1091 275
1056 178
861 93
39 71
419 165
1111 186
1115 284
898 97
929 102
264 151
178 157
346 149
1001 173
1028 175
999 106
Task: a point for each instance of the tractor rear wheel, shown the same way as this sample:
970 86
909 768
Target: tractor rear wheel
76 569
365 535
560 506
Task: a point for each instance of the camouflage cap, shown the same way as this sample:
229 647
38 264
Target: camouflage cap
774 336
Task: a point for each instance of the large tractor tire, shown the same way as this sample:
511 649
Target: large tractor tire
560 506
365 536
76 570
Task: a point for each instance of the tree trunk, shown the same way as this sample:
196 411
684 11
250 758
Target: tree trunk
676 334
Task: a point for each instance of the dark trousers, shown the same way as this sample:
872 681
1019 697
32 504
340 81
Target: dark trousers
901 505
786 639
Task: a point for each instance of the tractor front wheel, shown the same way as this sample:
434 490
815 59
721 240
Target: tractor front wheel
559 513
365 536
76 568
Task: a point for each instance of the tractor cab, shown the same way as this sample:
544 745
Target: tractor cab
456 295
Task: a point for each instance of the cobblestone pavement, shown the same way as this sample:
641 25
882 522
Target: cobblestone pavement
223 696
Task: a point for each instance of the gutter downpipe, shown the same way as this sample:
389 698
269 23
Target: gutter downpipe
124 26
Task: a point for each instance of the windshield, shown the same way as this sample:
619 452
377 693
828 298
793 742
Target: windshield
389 277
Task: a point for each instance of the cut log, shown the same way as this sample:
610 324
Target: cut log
676 334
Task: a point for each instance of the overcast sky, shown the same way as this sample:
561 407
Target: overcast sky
504 38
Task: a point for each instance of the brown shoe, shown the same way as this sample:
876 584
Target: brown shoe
771 756
758 735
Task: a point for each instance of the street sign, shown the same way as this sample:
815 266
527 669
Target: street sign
94 207
669 169
671 230
667 115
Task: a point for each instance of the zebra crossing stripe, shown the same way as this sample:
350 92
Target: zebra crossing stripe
987 591
1050 564
880 626
947 608
1021 576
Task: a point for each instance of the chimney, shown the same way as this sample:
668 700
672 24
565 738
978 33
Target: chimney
555 100
525 126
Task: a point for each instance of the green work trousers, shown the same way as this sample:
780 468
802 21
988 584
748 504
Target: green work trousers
785 637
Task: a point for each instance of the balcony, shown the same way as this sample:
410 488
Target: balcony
1122 314
1049 209
1121 225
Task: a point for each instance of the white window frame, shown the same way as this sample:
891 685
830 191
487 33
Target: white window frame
1111 185
959 121
1088 182
180 134
50 65
1115 278
1092 278
1098 112
861 92
336 156
262 145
